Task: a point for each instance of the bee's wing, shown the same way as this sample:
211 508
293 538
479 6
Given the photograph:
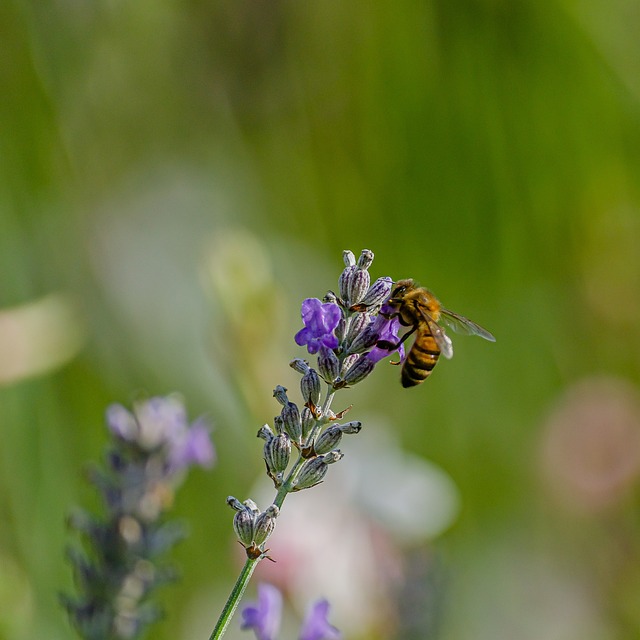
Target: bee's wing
463 325
442 339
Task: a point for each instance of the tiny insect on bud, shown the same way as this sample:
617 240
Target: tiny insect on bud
299 365
310 387
358 285
328 364
365 259
291 421
280 394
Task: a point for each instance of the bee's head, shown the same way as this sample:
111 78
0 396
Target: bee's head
401 287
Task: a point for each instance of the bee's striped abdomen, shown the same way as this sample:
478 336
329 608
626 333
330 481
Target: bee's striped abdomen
421 359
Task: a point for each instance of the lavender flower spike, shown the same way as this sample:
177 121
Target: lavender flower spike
320 320
316 626
263 617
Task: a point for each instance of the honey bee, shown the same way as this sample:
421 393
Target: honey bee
418 308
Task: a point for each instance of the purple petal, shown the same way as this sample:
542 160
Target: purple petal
320 320
263 616
121 422
194 447
302 337
316 626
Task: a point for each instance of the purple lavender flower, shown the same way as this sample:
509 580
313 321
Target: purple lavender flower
161 423
192 446
387 329
320 320
316 626
263 617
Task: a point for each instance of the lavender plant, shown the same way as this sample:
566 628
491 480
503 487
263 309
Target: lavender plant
348 335
150 452
263 617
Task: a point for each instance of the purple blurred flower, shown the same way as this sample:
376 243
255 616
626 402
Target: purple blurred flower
387 329
192 446
316 626
263 617
320 320
162 423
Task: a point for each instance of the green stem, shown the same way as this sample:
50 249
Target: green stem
234 598
245 575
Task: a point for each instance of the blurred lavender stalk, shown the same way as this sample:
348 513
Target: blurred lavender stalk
151 450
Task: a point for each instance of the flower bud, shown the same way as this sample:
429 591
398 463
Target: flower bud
351 427
366 339
265 524
291 421
277 452
308 420
299 365
357 325
329 439
251 506
330 297
340 329
365 259
312 473
280 394
349 258
278 423
347 362
310 387
358 285
377 293
328 364
358 371
333 456
243 525
265 432
344 282
234 503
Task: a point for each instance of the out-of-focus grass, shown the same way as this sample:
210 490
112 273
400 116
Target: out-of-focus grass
488 149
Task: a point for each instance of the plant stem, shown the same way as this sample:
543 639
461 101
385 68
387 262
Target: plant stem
245 575
234 598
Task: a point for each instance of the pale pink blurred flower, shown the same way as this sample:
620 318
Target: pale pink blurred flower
590 453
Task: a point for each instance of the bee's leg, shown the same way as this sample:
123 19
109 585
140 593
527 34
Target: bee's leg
392 346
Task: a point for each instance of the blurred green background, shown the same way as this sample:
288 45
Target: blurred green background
175 177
